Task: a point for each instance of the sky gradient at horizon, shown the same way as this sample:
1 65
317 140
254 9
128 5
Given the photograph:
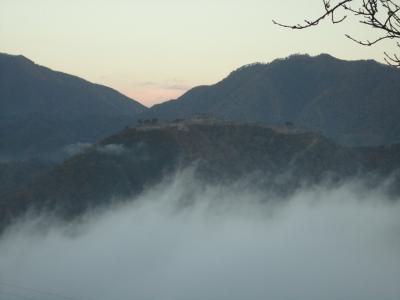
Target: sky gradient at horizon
155 50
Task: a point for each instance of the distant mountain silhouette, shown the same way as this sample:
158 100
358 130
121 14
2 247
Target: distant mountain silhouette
43 111
353 102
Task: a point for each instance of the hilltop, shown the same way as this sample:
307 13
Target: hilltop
355 103
43 111
277 159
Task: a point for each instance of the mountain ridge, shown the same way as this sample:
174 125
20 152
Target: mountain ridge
279 160
346 100
42 110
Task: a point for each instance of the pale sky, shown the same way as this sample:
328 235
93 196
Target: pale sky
155 50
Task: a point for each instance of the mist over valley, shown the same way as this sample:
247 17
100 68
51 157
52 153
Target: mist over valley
225 243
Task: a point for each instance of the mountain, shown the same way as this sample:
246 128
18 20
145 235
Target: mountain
15 175
352 102
43 111
277 159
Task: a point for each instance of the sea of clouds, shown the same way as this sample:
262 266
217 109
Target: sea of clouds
184 240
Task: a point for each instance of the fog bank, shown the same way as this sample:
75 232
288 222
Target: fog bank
225 243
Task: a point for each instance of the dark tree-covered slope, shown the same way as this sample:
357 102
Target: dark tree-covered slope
354 102
277 159
42 111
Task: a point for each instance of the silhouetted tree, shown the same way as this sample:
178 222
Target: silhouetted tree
383 15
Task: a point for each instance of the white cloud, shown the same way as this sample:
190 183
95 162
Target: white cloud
184 240
73 149
112 149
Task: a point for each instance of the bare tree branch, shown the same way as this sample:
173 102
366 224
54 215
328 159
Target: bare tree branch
328 12
383 15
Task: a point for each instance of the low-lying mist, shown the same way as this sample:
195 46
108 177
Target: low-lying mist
183 240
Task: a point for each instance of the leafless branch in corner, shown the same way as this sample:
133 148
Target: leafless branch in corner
383 15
